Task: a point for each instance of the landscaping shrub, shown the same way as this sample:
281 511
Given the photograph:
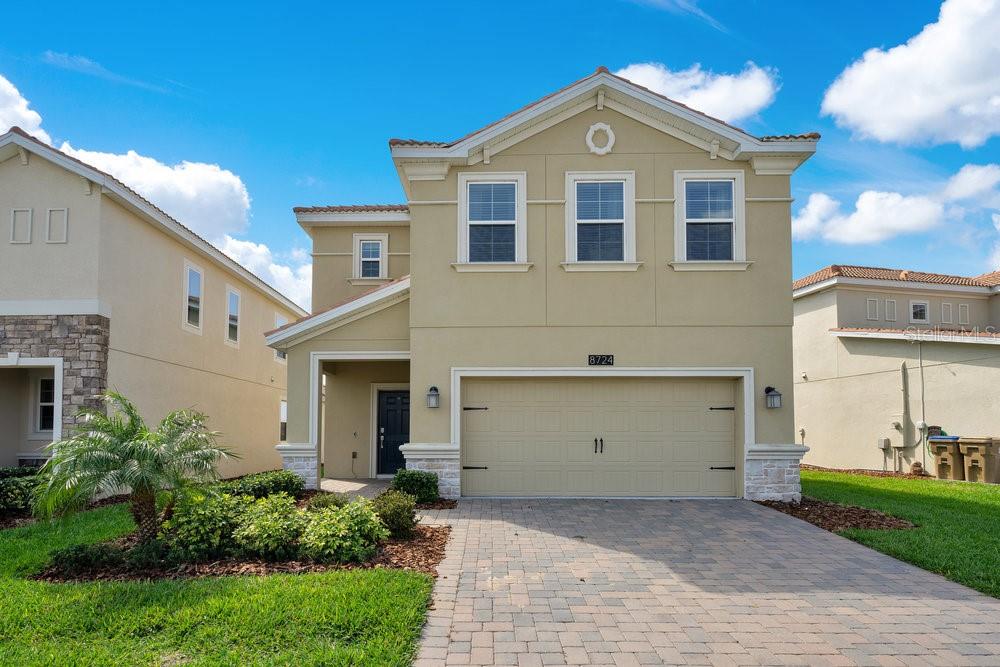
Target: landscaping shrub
420 484
7 472
269 528
347 534
397 511
263 484
324 500
15 494
147 555
202 525
87 557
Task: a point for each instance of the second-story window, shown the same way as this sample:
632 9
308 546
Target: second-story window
193 288
600 217
370 251
709 216
920 312
491 218
232 316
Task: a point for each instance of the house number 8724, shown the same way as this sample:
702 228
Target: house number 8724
601 360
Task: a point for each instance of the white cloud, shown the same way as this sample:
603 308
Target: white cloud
729 97
295 282
684 7
15 110
941 86
207 198
975 182
879 216
84 65
814 215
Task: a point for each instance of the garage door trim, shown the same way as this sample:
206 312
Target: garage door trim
740 373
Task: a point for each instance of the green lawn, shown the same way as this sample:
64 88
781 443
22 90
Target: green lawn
359 617
958 524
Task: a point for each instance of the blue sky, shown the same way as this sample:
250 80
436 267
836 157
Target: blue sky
294 104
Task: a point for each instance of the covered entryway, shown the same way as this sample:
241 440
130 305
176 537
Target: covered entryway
599 436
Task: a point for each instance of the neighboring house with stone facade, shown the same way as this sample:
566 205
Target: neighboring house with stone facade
588 297
878 352
101 290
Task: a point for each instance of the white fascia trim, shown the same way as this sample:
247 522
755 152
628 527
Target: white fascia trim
15 360
746 142
901 285
920 335
334 314
146 210
743 373
391 218
54 307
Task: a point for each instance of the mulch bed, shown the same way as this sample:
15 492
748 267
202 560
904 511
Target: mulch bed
439 504
835 517
867 473
422 553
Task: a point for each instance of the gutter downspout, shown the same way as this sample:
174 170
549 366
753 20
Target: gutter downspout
923 405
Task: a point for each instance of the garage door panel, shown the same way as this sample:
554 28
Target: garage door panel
537 437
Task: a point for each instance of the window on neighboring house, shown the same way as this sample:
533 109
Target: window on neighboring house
370 252
946 313
232 316
963 313
709 216
283 422
192 296
600 217
46 404
280 321
919 312
872 309
890 310
491 213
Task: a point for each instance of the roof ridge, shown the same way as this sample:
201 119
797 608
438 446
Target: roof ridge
885 273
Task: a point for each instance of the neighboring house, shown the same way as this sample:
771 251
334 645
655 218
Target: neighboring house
99 289
880 351
587 297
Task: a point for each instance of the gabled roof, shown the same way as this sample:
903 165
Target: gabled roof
144 208
311 325
838 272
737 142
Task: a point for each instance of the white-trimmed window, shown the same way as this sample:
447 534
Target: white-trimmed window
920 312
233 299
600 217
280 321
194 289
492 218
20 225
709 216
890 310
283 421
963 313
45 405
370 256
872 309
57 225
946 314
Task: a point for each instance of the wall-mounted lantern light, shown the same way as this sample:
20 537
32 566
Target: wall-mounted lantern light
773 397
433 398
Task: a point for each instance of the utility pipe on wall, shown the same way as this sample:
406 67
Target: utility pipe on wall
923 405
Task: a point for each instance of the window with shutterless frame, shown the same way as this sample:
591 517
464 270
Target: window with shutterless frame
920 312
371 256
709 216
194 288
600 217
492 215
45 411
233 299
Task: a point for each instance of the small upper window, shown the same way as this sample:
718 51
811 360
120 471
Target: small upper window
371 259
232 316
600 221
46 404
283 422
280 321
709 220
193 297
370 252
963 313
492 222
919 312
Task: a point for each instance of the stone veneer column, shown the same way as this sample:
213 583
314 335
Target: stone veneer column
771 472
303 460
82 343
440 458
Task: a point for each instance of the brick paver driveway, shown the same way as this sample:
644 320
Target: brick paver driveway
535 582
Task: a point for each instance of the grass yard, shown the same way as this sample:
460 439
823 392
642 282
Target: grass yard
958 524
350 617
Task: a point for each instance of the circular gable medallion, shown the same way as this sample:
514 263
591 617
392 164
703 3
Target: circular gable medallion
606 147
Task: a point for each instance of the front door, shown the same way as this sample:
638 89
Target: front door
393 430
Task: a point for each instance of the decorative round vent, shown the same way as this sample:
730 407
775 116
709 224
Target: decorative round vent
606 146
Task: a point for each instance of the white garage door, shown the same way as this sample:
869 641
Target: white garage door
598 437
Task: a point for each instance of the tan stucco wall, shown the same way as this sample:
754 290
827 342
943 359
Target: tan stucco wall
333 261
652 317
855 389
853 308
348 412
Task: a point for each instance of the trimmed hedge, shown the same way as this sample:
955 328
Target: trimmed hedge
323 500
7 472
270 527
420 484
15 494
345 535
397 510
202 525
263 484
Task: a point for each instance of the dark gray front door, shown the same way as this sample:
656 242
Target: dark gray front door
393 430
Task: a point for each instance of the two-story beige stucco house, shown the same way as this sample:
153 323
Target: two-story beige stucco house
881 353
99 289
587 297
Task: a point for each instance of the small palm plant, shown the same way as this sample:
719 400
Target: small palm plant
116 453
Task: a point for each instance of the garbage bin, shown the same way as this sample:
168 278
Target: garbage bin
947 457
980 461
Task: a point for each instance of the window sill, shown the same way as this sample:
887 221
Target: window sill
367 281
600 266
710 266
491 267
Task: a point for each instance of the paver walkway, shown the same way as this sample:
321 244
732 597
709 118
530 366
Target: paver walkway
552 582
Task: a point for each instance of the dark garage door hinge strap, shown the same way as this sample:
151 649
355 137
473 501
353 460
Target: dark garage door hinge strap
725 408
475 467
722 468
465 408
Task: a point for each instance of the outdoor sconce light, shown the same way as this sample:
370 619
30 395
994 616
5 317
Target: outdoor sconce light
433 398
773 397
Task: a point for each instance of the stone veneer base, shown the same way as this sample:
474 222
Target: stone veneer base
439 458
771 472
303 462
